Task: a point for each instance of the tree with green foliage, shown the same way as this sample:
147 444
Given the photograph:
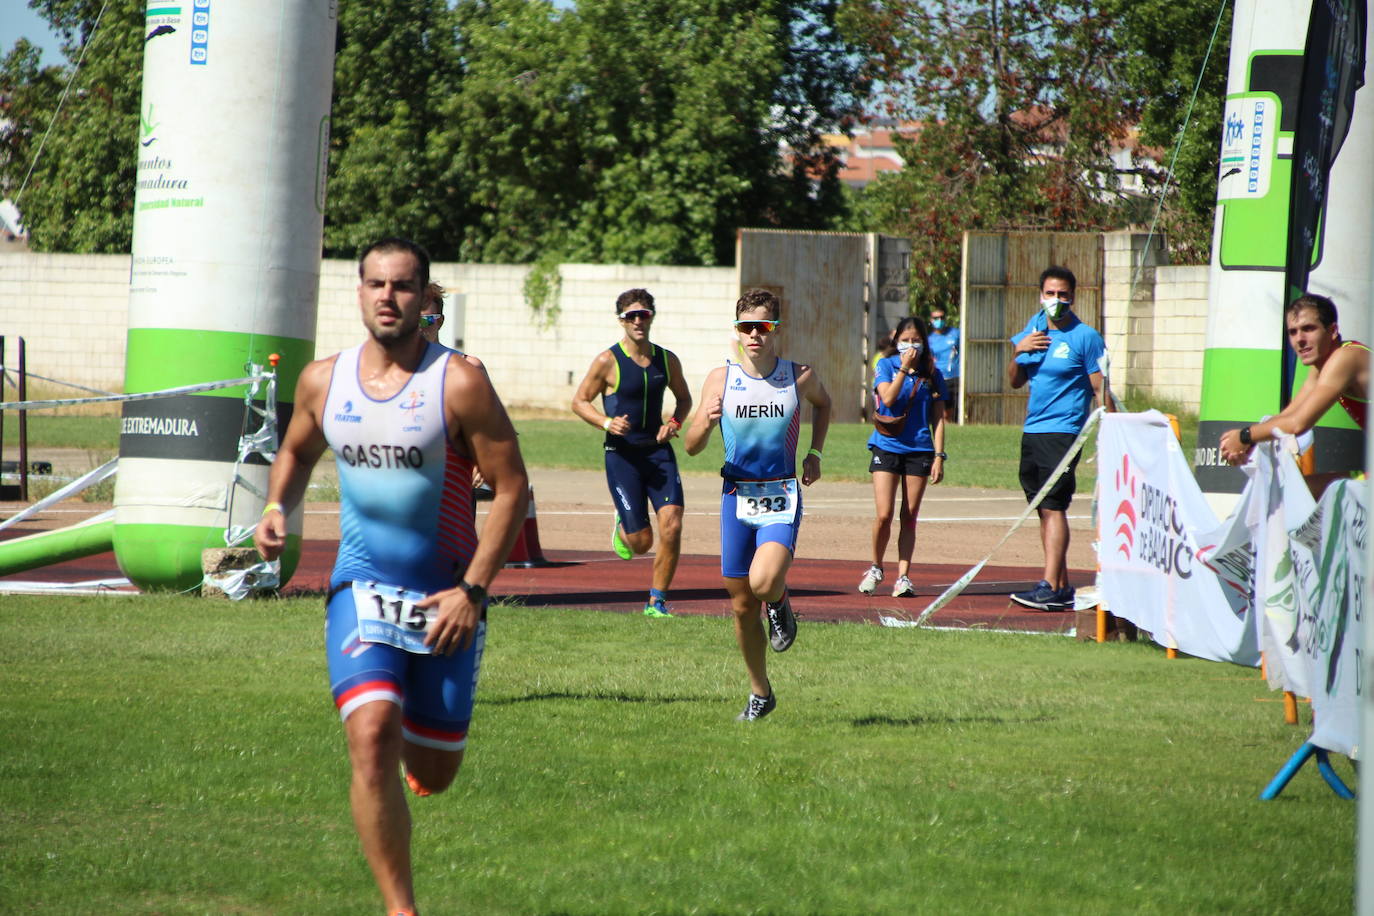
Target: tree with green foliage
645 131
79 195
1169 41
494 130
1015 109
396 64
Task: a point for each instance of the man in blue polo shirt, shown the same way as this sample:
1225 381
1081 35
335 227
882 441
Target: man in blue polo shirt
1061 358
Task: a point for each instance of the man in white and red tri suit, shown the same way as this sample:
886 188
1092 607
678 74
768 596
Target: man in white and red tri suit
407 420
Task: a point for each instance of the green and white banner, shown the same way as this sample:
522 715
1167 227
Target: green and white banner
1313 591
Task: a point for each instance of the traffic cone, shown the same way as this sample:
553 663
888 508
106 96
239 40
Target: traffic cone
526 553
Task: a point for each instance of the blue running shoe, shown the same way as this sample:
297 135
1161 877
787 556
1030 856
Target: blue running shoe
656 608
1038 598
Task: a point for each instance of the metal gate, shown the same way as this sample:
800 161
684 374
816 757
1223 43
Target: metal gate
1001 291
821 278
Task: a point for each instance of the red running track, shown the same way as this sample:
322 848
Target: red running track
822 590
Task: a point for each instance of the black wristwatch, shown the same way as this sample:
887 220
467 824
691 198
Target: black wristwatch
942 455
476 593
1245 436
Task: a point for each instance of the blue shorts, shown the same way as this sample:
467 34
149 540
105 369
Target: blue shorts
435 692
640 477
738 541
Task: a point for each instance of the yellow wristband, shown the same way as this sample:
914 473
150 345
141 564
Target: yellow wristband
814 451
607 425
272 507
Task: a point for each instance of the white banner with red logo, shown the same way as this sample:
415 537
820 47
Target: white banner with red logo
1282 572
1189 592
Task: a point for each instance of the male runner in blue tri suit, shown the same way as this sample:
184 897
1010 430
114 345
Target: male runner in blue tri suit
757 403
405 621
641 469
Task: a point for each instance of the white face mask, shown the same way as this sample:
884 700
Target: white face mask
904 345
1053 307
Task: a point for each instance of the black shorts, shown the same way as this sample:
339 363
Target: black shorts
640 478
909 464
1040 455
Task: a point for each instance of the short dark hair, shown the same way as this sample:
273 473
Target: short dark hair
396 243
1059 273
635 296
759 299
1324 307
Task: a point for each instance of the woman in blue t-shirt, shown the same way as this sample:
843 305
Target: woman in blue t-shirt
906 385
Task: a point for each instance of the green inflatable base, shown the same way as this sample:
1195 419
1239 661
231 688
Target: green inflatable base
48 547
167 557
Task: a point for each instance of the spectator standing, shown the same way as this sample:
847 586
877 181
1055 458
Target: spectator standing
1060 357
944 346
908 447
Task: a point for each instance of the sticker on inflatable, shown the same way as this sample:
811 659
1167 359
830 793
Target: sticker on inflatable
766 502
388 615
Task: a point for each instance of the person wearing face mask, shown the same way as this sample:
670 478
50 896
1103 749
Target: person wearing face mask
1060 357
908 446
944 346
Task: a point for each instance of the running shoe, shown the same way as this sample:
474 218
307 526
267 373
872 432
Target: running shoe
1038 598
757 707
618 544
656 607
782 624
903 588
1062 600
870 580
416 786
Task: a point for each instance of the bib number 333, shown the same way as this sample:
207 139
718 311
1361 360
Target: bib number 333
388 615
766 502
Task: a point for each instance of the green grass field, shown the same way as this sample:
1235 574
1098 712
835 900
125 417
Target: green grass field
180 755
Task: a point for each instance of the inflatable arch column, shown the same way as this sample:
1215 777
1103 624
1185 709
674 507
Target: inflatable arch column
228 225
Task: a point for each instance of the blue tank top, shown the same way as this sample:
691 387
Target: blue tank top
759 422
406 508
638 394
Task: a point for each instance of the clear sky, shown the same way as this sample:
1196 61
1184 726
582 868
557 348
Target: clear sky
18 21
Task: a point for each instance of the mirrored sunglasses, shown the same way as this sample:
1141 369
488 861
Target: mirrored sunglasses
637 315
750 326
429 321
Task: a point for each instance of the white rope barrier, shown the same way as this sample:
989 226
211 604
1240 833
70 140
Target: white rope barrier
143 396
963 581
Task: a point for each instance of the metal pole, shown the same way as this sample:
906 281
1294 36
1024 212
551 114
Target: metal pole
23 426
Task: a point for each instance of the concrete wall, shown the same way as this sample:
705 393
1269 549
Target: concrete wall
1155 320
72 311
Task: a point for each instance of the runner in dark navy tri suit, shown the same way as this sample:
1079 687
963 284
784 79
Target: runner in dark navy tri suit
641 469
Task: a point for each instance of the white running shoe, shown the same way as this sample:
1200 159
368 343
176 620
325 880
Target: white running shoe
903 588
870 580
